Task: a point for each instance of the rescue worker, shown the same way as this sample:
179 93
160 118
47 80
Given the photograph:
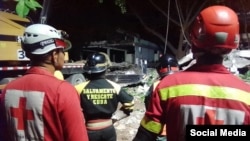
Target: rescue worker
38 106
206 93
166 65
100 98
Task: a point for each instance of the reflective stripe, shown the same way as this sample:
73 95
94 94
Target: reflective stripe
218 92
81 86
72 66
128 106
116 86
155 84
14 68
2 86
98 124
151 125
5 68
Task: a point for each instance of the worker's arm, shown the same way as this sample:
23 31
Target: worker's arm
127 101
148 96
152 123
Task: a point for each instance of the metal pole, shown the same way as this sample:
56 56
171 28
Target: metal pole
45 11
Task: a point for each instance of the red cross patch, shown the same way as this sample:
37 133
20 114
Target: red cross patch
21 113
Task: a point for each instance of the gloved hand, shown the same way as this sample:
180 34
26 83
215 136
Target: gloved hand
127 111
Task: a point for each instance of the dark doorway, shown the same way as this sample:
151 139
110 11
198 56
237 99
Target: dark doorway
117 56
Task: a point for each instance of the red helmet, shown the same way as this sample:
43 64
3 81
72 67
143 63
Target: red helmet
215 30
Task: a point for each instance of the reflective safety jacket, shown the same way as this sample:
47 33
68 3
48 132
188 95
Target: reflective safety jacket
199 95
147 101
38 106
148 94
100 98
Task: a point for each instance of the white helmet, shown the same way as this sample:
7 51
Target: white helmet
41 39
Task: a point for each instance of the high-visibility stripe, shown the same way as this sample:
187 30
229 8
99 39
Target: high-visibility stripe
27 67
151 125
218 92
14 68
73 66
2 86
155 84
81 86
117 87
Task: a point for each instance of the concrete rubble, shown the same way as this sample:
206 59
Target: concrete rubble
126 126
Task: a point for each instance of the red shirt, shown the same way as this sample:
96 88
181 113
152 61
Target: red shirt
38 106
200 95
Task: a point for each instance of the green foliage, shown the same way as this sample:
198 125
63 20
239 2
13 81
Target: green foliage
120 3
246 76
23 7
152 76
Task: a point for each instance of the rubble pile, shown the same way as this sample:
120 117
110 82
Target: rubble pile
126 126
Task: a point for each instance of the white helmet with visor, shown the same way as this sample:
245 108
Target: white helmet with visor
41 39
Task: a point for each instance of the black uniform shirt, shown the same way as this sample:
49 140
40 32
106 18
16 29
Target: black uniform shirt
100 98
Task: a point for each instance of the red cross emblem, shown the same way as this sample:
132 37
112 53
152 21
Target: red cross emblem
209 118
21 114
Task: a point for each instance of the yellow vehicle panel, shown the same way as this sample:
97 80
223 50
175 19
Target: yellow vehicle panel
10 32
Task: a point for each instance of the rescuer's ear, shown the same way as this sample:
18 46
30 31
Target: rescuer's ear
55 56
